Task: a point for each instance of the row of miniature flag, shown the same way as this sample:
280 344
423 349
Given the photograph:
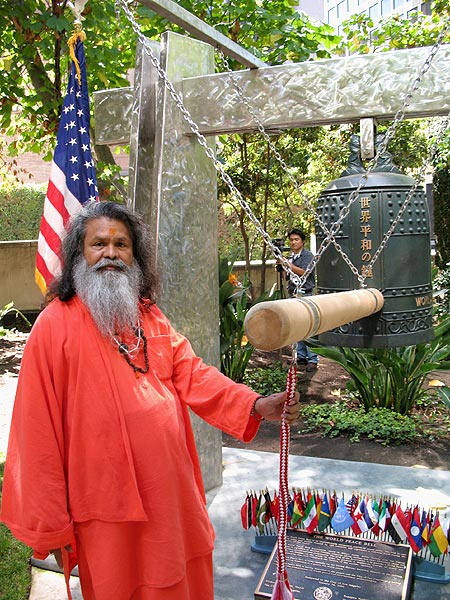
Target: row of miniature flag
314 511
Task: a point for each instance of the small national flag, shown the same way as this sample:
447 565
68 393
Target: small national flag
72 180
359 525
341 519
298 510
261 513
275 507
246 513
415 533
438 540
382 521
368 512
425 528
351 504
310 520
325 513
400 523
333 503
254 501
269 513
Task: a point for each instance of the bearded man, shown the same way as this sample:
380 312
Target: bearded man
102 468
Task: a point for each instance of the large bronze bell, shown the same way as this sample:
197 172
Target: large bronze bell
402 272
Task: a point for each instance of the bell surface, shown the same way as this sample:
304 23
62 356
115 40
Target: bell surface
402 271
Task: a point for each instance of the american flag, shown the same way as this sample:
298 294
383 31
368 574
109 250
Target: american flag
72 180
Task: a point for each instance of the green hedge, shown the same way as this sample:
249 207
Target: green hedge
20 212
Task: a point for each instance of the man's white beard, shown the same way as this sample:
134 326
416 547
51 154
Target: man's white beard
112 296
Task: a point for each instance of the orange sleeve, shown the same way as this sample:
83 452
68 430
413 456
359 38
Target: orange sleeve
210 394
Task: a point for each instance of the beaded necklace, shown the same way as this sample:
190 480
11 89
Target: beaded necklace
129 352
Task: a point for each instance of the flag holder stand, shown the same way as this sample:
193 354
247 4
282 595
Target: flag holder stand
264 544
425 570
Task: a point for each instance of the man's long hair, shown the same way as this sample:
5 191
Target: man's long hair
73 243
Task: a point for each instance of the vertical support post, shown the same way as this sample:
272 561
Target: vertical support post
174 185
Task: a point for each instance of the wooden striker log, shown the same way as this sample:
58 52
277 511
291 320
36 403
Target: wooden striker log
274 324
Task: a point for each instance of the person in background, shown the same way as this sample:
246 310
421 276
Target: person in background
299 260
102 469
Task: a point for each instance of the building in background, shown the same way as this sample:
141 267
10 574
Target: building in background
313 8
334 12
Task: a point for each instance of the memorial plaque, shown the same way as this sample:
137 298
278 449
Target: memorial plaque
333 567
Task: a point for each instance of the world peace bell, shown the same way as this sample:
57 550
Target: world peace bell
402 271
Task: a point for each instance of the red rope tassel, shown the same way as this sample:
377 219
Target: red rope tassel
282 589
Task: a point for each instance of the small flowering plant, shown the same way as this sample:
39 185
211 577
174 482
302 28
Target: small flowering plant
234 298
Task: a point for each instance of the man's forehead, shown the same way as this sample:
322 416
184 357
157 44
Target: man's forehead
103 226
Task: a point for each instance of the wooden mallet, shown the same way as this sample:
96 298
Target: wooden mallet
274 324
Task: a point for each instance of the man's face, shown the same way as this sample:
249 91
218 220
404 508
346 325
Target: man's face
295 243
107 238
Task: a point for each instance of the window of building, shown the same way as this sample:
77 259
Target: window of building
332 17
426 8
413 14
342 9
353 6
398 3
386 7
374 13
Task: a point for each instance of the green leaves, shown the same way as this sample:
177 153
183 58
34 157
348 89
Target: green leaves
393 378
379 424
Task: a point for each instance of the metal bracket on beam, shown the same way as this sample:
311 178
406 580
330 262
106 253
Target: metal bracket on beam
202 31
367 137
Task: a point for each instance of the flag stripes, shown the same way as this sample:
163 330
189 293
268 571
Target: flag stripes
72 180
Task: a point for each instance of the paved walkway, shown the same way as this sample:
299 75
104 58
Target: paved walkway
238 569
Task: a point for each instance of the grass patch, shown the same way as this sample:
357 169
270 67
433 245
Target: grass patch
15 570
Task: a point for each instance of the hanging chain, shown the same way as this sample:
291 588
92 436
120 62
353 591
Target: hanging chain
399 116
329 238
329 233
306 200
420 177
203 142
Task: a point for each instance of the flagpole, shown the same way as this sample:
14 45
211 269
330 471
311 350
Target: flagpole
72 180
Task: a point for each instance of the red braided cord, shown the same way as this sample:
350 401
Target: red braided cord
282 578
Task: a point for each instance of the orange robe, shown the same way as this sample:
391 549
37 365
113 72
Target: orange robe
99 456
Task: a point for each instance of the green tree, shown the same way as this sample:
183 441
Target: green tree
34 56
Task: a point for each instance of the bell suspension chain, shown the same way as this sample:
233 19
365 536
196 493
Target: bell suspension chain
399 116
420 176
202 141
281 161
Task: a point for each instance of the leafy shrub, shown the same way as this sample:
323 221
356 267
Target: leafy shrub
21 210
234 303
392 377
441 285
379 424
6 310
266 381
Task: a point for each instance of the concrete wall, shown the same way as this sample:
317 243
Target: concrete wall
17 261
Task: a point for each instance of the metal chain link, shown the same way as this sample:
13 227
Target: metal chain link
420 177
399 116
285 168
329 234
203 142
